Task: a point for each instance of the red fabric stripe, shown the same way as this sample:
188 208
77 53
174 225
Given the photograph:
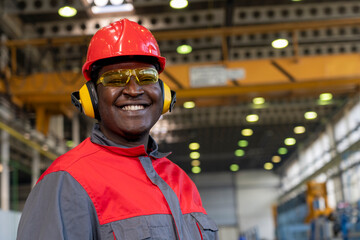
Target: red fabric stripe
197 224
181 184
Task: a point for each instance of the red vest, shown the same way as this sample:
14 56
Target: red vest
117 184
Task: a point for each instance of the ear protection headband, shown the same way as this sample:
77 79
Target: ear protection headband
86 99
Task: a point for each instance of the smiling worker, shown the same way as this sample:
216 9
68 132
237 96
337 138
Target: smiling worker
116 184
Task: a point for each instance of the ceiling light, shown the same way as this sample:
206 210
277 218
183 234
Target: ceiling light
290 141
178 4
100 3
239 153
325 99
280 43
122 8
234 167
282 151
243 143
299 129
189 104
268 166
310 115
325 96
194 155
247 132
195 163
258 100
184 49
196 170
276 159
252 118
67 11
116 2
194 146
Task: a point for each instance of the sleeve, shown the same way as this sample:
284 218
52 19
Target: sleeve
58 208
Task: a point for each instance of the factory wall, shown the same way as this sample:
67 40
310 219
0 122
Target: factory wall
331 157
240 203
257 192
9 221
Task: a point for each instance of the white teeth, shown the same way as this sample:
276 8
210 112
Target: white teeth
132 107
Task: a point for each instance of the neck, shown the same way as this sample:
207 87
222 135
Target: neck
134 141
127 139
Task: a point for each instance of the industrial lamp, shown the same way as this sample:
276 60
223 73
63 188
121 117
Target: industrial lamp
67 10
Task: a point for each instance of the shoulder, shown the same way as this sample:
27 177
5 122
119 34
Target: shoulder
166 166
50 209
67 160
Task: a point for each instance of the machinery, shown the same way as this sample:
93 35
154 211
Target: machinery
316 199
306 215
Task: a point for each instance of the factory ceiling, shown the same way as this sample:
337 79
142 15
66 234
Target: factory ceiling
231 63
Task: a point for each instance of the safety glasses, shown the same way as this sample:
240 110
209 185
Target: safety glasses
120 77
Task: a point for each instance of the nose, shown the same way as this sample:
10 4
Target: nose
132 88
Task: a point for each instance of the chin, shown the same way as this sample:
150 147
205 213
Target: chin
136 131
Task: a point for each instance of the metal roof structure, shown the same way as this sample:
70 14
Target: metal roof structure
43 54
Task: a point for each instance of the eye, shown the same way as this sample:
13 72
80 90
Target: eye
115 79
147 80
148 76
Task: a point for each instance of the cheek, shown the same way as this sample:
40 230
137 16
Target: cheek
156 95
159 103
105 98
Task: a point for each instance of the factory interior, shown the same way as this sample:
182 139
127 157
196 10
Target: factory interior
267 118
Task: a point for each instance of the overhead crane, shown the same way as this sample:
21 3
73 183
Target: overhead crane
49 93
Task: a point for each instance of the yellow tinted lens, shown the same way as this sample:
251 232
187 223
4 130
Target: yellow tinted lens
115 78
120 77
147 76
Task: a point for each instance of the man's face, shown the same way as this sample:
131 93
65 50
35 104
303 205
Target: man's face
128 113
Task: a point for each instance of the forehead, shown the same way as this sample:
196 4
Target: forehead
125 65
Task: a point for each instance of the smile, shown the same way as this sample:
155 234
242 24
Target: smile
132 107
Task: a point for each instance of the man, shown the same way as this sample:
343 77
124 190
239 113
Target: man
116 184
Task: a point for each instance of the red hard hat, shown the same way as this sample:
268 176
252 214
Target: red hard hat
122 38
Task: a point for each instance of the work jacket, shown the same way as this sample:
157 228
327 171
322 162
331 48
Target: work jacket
100 190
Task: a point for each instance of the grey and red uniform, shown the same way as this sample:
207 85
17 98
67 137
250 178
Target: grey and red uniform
100 190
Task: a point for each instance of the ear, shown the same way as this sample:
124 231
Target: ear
86 100
169 97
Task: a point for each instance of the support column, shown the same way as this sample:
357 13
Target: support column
60 133
35 167
57 130
76 129
5 175
42 120
330 131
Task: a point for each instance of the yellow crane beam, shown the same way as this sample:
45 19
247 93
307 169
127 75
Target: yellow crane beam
308 73
49 93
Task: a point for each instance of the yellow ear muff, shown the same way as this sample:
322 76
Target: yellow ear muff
86 101
167 98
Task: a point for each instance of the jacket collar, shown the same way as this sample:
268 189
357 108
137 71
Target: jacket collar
99 138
